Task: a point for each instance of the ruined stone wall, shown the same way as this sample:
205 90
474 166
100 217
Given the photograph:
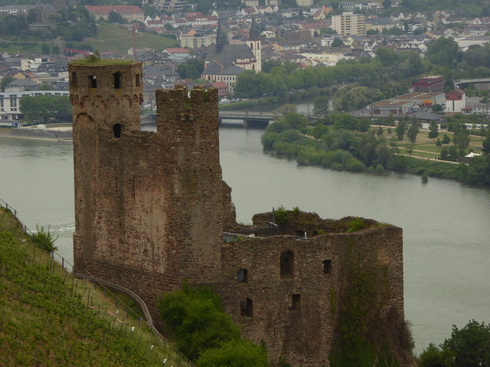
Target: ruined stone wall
149 207
296 315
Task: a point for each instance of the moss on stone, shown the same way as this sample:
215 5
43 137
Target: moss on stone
101 62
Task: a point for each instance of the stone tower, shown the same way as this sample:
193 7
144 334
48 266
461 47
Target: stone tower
253 42
149 206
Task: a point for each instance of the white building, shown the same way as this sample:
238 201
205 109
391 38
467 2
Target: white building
349 24
304 3
32 65
10 103
455 101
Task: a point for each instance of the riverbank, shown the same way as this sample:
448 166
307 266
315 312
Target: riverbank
62 134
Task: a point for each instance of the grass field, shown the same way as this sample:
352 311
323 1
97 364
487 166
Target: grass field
50 318
112 37
427 148
24 47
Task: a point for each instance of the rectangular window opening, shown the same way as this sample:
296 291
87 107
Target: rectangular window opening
327 266
92 81
73 79
242 276
295 302
247 308
117 80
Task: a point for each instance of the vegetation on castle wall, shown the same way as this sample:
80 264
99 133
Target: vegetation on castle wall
364 334
356 224
281 215
195 318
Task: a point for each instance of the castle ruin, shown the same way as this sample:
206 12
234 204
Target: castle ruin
151 209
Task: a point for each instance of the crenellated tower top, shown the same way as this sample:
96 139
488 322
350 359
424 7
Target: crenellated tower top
108 91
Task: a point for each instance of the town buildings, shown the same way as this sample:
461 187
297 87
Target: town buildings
349 24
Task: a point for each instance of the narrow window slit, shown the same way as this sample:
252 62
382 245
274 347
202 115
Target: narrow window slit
117 80
327 266
92 81
295 302
117 129
247 307
287 265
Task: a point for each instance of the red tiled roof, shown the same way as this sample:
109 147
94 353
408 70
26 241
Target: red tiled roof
177 50
121 9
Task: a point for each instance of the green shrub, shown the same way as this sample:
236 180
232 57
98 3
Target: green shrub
44 239
236 353
196 320
356 225
281 215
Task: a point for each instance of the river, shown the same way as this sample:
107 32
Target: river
446 224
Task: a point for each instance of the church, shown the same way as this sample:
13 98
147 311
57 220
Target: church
224 62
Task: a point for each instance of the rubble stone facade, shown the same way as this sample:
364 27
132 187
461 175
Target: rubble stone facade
151 209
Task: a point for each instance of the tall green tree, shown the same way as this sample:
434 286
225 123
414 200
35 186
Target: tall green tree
413 130
46 108
400 130
4 82
444 51
337 42
433 130
320 105
191 69
467 347
486 144
115 17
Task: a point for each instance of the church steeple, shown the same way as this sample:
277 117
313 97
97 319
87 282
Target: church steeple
254 32
221 38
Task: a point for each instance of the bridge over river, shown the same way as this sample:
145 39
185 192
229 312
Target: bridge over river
258 120
481 83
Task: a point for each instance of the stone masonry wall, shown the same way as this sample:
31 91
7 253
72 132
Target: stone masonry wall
149 207
303 332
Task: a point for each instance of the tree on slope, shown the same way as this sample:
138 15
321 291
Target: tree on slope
467 347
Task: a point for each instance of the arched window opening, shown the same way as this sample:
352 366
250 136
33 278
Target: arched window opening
92 81
117 80
287 265
247 307
251 46
242 276
117 129
137 80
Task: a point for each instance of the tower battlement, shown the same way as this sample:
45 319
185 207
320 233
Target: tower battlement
178 106
151 208
109 93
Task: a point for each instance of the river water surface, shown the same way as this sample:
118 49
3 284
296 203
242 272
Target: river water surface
446 225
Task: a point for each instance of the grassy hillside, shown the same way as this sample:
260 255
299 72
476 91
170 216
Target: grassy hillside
109 37
49 318
112 37
14 47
